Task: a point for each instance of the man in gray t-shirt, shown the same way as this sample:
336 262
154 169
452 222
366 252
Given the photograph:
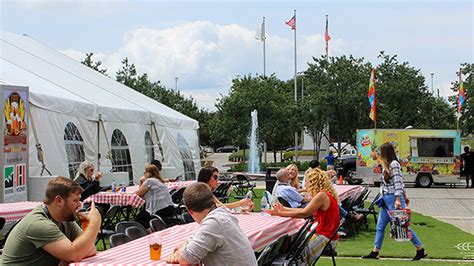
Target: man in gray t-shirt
219 239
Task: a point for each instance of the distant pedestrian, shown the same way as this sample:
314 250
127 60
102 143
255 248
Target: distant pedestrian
468 163
329 161
393 197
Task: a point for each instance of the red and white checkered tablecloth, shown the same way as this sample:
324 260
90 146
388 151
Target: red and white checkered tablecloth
179 184
261 229
117 198
17 210
346 191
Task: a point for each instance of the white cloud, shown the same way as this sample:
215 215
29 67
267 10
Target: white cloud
206 56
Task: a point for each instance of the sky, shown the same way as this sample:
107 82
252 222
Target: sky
205 44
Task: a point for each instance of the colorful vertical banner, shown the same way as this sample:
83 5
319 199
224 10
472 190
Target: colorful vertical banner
371 96
461 98
327 37
15 144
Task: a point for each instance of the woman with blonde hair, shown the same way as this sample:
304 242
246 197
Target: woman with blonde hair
294 176
323 207
393 197
156 195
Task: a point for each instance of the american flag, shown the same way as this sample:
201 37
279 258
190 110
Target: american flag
292 23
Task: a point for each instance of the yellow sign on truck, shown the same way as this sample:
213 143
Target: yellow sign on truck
427 156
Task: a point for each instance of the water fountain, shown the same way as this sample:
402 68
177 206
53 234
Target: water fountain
254 158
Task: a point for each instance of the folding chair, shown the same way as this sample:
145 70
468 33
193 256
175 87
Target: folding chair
284 202
187 218
242 186
296 242
118 239
121 226
328 249
369 210
106 223
177 197
4 240
2 222
134 232
157 224
271 251
296 257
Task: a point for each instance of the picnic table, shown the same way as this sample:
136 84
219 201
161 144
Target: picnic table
15 211
260 228
346 191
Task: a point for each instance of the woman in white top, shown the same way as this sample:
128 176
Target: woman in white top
156 195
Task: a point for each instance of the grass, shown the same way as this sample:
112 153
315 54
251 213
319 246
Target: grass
439 239
326 261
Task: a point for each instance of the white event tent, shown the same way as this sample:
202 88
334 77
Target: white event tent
78 114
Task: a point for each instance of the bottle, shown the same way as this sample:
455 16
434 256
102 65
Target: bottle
264 202
248 195
114 186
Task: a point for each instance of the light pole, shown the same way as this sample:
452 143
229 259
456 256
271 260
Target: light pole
176 84
432 90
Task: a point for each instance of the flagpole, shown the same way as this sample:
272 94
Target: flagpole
296 96
264 37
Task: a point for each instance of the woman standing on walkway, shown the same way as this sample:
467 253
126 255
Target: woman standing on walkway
393 197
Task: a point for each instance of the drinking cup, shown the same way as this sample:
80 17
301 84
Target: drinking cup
155 246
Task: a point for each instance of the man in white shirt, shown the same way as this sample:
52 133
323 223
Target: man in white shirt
219 239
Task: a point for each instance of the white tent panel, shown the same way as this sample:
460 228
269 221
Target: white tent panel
63 90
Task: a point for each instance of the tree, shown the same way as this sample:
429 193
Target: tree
88 61
268 96
336 96
466 120
128 76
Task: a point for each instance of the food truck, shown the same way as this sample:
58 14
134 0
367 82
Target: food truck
427 156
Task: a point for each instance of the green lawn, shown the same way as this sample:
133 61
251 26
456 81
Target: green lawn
325 261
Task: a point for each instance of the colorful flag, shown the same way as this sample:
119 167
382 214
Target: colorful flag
20 175
260 34
461 98
292 22
326 35
371 96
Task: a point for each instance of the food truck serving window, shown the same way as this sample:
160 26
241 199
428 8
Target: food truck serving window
435 147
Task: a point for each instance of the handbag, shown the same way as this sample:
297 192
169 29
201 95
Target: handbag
399 223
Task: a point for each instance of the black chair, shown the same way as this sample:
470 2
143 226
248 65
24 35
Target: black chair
134 232
106 223
121 226
242 185
296 257
222 191
271 251
369 210
187 218
284 202
118 239
328 248
297 240
4 240
2 222
177 197
157 224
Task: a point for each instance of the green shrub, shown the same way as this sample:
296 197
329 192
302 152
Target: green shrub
302 166
290 154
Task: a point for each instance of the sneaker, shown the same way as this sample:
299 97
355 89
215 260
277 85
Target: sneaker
420 254
372 255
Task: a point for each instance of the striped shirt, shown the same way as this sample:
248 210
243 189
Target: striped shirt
395 185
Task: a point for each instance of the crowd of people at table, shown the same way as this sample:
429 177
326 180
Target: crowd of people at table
50 235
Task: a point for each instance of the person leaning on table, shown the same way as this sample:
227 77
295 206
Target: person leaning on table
91 184
218 240
393 197
210 176
49 233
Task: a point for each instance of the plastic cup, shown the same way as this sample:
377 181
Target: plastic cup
84 222
155 246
